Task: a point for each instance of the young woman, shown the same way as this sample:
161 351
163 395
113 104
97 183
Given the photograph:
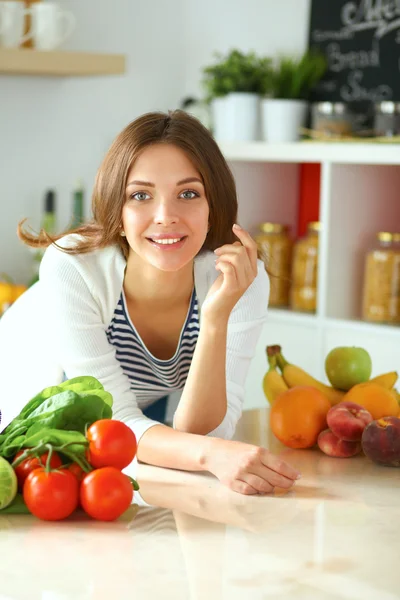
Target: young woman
161 292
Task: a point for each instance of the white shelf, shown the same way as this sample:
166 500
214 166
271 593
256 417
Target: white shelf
359 196
313 152
285 315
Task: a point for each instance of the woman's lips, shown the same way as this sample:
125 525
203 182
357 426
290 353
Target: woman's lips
165 247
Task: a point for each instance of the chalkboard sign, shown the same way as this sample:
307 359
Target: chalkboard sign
361 41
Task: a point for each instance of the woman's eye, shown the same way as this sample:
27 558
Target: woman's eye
193 194
139 196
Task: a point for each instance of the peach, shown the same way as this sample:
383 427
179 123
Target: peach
381 441
331 445
348 420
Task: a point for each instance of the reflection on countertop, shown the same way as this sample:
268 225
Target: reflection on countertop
335 535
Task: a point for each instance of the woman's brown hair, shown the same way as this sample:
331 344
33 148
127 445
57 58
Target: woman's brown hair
175 127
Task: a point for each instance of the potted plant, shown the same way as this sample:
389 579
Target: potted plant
234 86
286 92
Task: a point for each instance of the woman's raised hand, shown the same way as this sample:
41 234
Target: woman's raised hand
238 265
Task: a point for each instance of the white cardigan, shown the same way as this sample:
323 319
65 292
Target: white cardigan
59 325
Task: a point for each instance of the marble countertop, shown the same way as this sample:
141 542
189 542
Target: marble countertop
335 535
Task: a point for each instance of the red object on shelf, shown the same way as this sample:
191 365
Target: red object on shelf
309 193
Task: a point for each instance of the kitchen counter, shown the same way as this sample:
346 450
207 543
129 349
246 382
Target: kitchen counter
336 534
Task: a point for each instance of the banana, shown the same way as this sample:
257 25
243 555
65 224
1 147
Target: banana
295 376
273 382
386 380
396 394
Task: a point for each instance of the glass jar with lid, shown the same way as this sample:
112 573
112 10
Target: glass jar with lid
332 118
303 293
387 119
275 249
381 293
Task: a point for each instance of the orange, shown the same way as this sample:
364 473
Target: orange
298 416
379 401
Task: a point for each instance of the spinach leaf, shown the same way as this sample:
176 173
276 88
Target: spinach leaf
31 406
105 396
82 384
64 411
76 441
68 410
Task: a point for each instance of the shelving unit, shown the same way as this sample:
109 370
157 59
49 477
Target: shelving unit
23 61
360 195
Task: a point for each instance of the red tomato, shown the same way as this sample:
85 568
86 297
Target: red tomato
76 470
30 464
106 493
112 444
51 496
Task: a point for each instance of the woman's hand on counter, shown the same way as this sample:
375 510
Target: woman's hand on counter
248 469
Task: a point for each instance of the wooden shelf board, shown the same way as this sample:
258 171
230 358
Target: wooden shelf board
22 61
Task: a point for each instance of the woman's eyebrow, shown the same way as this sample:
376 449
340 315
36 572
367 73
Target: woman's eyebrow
150 184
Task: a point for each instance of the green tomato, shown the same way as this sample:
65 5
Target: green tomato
347 366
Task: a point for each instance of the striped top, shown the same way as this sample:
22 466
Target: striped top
151 378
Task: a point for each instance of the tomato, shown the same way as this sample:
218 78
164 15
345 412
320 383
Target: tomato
106 494
112 444
76 470
30 464
51 496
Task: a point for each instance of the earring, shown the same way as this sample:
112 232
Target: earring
122 233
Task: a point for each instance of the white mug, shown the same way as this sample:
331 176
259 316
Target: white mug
12 24
51 25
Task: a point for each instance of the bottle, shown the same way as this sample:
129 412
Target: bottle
275 249
381 294
303 293
78 216
49 225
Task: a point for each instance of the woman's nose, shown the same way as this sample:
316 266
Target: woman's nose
165 213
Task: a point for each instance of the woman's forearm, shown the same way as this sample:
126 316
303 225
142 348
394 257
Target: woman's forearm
202 406
165 447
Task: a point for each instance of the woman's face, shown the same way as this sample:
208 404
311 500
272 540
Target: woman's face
165 216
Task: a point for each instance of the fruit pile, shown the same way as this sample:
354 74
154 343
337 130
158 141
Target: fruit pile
354 414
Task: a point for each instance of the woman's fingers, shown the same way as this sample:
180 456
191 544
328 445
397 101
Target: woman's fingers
229 272
248 243
279 466
258 483
243 273
242 487
272 478
238 257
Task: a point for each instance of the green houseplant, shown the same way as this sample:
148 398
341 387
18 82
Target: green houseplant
234 86
286 90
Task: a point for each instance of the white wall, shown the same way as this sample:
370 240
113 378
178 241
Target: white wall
54 130
265 26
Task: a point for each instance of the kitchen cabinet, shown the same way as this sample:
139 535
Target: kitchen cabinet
360 195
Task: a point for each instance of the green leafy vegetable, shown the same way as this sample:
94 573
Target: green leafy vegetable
56 413
17 507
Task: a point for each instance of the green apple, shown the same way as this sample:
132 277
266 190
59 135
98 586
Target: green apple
346 366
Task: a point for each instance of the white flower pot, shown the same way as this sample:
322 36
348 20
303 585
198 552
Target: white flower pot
236 117
282 119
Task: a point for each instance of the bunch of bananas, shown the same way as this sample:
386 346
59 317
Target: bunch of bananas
282 375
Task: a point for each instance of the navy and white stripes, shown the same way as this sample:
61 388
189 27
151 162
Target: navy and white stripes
150 377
